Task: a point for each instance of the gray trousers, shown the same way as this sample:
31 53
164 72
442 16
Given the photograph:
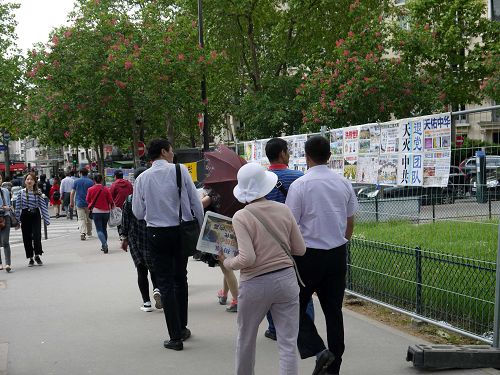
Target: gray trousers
4 241
279 292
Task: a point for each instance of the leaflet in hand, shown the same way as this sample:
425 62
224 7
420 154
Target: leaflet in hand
217 234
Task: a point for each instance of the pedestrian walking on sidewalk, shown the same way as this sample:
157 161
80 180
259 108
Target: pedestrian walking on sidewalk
134 236
78 198
65 193
267 236
5 211
31 207
120 189
99 204
156 200
278 156
55 196
323 204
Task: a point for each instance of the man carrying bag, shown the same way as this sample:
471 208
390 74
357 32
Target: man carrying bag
156 200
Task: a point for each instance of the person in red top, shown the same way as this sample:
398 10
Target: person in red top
100 201
55 196
120 190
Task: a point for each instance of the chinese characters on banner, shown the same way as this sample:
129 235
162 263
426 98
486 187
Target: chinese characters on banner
408 152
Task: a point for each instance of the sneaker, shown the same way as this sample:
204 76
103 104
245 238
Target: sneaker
157 298
147 307
31 263
7 268
222 297
83 236
38 261
233 307
324 359
105 249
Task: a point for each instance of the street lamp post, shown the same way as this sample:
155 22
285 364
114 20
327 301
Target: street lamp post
206 141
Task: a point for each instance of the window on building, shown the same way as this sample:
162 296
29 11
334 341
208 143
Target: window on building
460 118
496 137
495 10
82 155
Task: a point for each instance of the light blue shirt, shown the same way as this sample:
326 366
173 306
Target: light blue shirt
5 194
156 198
321 201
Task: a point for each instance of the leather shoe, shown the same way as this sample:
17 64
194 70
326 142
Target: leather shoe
324 360
185 334
270 335
173 344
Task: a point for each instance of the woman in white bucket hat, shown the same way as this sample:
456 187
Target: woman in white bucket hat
267 236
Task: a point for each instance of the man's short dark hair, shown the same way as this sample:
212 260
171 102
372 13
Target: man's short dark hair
274 147
84 171
98 178
155 147
119 173
318 149
71 173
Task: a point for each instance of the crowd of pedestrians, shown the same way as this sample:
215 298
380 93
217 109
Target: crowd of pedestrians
292 231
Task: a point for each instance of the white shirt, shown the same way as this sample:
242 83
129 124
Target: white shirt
321 202
66 185
156 198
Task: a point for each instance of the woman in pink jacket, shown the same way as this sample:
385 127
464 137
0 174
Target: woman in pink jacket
267 236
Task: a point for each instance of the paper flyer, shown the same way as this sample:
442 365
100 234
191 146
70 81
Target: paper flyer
217 234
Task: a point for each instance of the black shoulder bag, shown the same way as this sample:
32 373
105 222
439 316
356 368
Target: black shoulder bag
281 188
189 230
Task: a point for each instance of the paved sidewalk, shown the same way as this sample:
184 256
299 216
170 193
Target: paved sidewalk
79 314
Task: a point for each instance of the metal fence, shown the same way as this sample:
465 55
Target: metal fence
431 252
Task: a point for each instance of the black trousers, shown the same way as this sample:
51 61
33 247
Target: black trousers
31 228
170 267
323 272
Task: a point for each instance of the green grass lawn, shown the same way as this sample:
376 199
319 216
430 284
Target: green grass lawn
471 239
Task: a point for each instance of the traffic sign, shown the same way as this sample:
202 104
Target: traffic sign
201 121
6 136
3 147
141 148
459 141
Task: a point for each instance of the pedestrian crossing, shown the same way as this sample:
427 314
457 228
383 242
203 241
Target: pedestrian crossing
58 228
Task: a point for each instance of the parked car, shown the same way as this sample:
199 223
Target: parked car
469 167
492 184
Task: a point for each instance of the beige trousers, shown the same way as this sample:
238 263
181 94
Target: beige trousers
84 222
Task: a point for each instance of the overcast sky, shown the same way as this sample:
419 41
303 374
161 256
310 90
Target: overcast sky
36 18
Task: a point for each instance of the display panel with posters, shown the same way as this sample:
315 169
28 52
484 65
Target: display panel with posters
411 147
389 153
351 144
336 162
437 149
369 148
217 234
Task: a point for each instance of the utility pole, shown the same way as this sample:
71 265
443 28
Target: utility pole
6 139
206 133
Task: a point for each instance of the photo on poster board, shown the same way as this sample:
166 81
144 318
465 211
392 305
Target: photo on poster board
388 169
350 166
336 164
369 139
336 142
367 169
351 141
436 168
389 138
217 234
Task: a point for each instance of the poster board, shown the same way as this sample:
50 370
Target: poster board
217 234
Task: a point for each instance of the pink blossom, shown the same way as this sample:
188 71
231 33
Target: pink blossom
136 47
369 56
107 38
427 26
346 52
304 119
194 24
128 65
350 34
115 47
49 77
380 47
367 79
201 59
126 42
204 102
401 43
120 84
483 84
381 107
66 107
339 42
181 57
213 54
298 91
113 21
332 103
349 82
442 96
378 34
407 91
110 57
55 40
67 134
97 2
33 53
35 118
68 33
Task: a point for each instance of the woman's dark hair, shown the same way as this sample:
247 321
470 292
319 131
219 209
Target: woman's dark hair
274 147
98 178
155 147
318 149
35 185
138 171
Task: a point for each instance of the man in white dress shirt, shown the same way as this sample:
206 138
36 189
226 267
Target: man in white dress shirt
156 200
323 204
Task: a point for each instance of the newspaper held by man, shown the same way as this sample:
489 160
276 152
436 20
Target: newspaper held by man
217 234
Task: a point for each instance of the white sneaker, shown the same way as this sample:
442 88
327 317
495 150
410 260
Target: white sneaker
147 307
157 297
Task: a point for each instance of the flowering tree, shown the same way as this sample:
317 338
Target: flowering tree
120 70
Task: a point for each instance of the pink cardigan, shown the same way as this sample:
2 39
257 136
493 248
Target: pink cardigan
259 252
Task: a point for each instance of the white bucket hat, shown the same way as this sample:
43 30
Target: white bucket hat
254 182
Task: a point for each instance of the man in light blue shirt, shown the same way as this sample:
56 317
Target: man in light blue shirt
79 198
156 200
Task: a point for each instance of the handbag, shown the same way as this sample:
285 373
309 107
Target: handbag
283 246
2 222
13 220
115 216
189 230
91 207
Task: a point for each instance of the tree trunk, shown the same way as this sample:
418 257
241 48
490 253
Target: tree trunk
99 150
135 140
169 127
